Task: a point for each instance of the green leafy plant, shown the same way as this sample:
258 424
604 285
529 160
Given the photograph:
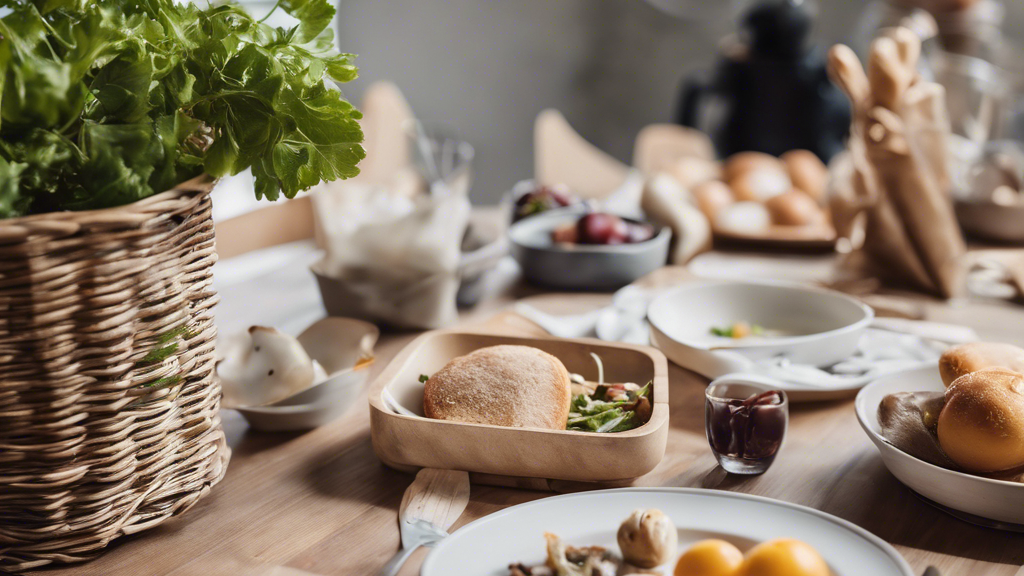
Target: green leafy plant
105 102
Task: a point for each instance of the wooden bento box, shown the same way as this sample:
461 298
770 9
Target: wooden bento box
408 442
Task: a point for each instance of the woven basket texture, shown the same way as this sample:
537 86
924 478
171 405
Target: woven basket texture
109 420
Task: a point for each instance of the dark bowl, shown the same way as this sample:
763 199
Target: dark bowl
582 266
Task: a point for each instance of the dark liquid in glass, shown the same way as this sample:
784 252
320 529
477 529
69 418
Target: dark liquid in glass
749 430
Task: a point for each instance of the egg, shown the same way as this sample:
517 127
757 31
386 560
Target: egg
712 196
709 558
743 218
808 173
760 184
794 209
744 162
783 557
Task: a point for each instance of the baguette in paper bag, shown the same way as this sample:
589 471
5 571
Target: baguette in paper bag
899 142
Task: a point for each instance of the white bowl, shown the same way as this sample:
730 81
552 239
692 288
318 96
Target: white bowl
996 500
337 344
991 221
823 326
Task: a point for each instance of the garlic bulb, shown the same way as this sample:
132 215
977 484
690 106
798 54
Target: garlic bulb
648 538
264 366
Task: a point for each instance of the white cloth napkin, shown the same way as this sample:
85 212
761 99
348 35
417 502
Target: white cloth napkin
881 352
890 345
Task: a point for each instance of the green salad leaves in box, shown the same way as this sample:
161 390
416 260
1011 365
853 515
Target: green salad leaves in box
105 102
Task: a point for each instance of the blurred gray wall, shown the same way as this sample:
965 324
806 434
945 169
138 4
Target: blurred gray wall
486 68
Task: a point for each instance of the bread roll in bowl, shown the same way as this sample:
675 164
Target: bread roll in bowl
506 385
808 173
794 209
981 426
966 358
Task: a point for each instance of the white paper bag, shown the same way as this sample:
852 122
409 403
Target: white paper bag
392 257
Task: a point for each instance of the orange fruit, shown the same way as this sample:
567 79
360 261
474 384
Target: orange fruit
783 557
709 558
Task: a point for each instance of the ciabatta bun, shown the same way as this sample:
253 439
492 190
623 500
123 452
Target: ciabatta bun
516 386
966 358
981 427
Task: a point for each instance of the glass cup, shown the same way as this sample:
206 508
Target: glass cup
745 424
444 160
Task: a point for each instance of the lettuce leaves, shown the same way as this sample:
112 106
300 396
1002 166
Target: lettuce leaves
106 102
595 414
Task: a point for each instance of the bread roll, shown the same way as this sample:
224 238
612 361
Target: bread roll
516 386
712 197
743 162
981 427
691 171
760 184
794 209
743 218
808 173
966 358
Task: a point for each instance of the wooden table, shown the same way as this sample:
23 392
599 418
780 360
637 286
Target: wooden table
320 502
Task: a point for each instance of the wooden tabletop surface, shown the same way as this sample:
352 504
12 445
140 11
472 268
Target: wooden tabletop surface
320 502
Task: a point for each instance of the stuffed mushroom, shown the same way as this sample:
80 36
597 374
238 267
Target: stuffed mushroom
648 538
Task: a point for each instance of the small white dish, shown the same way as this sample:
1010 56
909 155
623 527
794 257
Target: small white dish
996 500
515 534
820 327
338 345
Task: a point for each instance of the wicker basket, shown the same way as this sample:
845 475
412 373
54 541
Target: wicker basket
109 419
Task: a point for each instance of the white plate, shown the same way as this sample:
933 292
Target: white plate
823 328
487 546
993 499
311 408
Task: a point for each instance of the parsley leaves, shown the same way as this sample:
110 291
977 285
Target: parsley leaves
105 102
